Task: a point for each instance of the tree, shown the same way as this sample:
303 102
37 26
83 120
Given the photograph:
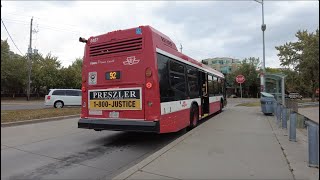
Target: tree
303 57
72 76
45 72
249 69
76 69
13 70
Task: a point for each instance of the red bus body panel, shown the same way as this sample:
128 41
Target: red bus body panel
130 52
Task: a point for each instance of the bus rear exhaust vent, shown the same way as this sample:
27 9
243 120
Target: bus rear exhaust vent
116 47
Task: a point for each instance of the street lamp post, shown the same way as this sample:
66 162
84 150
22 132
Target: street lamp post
263 28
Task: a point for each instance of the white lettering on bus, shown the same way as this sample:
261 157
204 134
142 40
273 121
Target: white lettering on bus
114 94
132 94
94 94
105 94
126 94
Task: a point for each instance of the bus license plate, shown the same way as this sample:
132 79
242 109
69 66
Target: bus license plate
114 114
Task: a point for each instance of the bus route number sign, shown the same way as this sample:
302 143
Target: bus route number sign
112 75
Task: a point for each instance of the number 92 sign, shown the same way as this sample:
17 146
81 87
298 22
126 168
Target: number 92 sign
113 75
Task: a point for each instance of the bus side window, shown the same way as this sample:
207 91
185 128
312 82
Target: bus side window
193 88
211 85
166 94
220 86
215 85
177 80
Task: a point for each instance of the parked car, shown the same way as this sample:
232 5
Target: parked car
63 97
233 96
295 96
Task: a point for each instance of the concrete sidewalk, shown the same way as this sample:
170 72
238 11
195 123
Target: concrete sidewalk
239 143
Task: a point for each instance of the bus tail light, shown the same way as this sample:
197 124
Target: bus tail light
83 89
148 72
149 85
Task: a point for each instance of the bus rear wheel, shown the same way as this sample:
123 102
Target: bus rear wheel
194 117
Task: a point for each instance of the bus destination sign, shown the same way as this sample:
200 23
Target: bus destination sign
112 75
115 99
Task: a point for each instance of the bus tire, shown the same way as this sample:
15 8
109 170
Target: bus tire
194 117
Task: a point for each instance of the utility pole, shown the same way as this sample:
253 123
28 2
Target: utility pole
29 62
262 75
180 48
263 28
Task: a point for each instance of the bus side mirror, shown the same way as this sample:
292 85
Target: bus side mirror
81 39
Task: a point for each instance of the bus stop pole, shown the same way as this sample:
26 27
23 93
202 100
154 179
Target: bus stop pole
283 92
313 143
240 89
278 113
292 127
284 118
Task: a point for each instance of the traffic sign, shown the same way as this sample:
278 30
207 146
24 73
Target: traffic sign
240 79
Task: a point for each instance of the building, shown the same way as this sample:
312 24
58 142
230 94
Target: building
223 64
226 66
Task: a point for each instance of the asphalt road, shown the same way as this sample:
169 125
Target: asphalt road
18 106
59 150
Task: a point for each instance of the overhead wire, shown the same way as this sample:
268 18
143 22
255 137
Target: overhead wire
43 26
11 37
46 19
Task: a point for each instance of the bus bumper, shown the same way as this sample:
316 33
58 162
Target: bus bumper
119 125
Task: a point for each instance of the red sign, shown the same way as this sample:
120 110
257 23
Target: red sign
240 79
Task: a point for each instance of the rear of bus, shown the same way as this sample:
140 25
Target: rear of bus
119 89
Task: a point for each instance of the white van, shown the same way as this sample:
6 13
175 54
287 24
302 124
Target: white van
63 97
295 96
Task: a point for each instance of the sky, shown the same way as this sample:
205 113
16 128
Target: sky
205 29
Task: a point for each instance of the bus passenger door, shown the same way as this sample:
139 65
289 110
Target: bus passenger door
204 94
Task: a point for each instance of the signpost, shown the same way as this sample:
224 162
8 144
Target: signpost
240 79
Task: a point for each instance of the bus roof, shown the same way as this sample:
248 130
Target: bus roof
183 56
165 48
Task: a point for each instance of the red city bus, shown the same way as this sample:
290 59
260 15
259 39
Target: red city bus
137 80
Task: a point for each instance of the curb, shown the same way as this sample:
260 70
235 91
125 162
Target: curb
38 120
127 173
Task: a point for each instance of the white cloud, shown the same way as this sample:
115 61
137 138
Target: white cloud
205 29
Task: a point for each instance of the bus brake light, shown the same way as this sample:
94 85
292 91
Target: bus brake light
83 89
149 85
